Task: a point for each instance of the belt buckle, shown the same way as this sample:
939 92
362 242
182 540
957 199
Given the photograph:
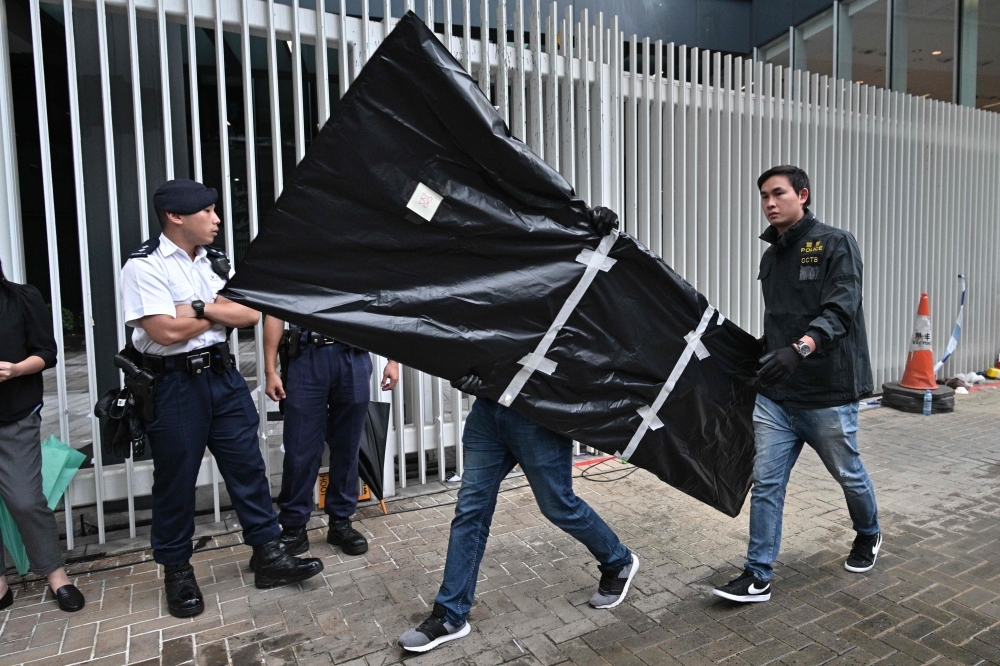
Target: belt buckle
197 363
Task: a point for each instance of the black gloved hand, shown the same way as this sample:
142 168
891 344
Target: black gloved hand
603 220
778 365
468 384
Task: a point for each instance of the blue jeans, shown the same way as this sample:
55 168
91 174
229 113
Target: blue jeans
780 433
496 439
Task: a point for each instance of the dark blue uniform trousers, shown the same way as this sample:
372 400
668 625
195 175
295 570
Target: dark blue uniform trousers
192 412
326 401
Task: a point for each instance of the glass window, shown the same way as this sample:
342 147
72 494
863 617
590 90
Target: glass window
862 38
814 44
988 60
923 48
776 52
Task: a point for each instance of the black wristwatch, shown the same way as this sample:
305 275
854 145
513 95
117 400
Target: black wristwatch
199 308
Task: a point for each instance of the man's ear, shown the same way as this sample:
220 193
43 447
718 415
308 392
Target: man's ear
174 218
804 195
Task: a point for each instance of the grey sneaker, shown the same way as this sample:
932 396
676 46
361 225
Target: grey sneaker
614 585
432 632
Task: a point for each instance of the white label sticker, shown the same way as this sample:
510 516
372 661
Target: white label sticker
424 201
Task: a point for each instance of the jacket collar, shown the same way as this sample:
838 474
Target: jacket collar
794 233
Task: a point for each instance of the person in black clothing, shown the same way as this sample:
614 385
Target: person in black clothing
812 375
26 348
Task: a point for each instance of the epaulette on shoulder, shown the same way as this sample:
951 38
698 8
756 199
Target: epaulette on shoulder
145 249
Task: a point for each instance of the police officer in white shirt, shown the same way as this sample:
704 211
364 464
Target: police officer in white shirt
169 287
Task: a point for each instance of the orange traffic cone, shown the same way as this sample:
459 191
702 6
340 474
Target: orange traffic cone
919 372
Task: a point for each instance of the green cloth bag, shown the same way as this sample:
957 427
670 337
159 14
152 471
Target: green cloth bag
60 463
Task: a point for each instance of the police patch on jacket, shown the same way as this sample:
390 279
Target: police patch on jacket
811 258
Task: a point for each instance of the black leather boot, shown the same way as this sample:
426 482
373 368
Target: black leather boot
273 566
183 596
351 541
294 540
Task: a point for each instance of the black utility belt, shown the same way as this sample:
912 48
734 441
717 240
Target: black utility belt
216 357
319 340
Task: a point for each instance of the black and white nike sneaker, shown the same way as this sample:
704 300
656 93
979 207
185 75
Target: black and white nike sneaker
864 552
432 632
745 589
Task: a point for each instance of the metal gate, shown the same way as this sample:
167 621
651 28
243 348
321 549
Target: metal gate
672 138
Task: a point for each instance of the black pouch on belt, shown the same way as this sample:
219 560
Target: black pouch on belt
221 358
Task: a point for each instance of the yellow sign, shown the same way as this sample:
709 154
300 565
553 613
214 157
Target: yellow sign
812 246
324 483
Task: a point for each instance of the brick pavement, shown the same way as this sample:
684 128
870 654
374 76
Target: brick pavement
933 597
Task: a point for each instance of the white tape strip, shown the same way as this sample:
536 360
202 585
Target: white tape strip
539 363
654 421
693 343
594 265
721 320
586 255
699 348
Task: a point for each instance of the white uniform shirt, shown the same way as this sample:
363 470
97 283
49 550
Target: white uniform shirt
156 284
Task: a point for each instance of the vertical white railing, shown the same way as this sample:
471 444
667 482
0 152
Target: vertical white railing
50 223
671 137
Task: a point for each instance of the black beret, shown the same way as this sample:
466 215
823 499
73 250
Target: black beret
183 196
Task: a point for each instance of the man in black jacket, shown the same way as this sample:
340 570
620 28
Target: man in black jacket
813 373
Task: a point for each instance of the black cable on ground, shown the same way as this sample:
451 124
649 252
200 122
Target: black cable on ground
586 474
589 474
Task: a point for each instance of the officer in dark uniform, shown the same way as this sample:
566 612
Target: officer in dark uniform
326 401
169 287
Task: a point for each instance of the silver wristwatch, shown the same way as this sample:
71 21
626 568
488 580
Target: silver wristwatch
803 348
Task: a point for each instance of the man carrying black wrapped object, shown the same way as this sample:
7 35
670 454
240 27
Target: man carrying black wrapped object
496 439
814 372
418 228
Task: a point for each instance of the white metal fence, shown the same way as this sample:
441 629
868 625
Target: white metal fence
672 138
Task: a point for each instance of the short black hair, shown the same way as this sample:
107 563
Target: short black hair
161 215
796 176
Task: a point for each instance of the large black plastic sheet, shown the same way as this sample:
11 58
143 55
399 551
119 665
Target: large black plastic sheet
642 366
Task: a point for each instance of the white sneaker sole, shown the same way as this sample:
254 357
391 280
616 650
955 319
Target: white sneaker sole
631 575
878 546
748 599
461 633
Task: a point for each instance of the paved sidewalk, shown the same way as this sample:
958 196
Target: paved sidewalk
933 597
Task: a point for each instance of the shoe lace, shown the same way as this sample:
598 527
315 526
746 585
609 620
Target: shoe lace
743 576
183 580
343 529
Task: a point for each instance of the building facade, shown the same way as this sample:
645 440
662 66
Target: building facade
947 50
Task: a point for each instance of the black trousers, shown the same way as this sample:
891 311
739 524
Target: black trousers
193 412
327 402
